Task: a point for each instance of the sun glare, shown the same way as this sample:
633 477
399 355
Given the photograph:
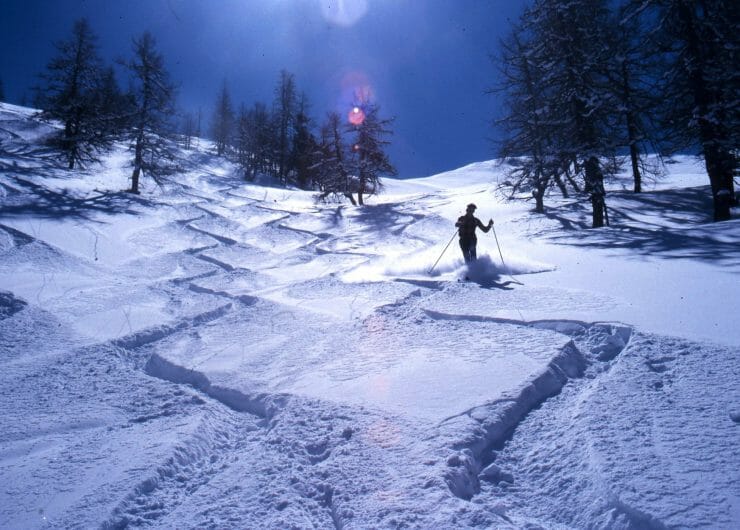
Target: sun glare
356 116
343 12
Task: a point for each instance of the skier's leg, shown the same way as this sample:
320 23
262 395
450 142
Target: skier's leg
464 248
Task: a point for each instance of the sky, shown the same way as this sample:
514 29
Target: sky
426 62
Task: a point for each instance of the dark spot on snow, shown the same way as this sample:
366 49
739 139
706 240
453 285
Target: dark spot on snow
10 305
656 367
735 416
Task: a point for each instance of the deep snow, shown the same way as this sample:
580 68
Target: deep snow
218 354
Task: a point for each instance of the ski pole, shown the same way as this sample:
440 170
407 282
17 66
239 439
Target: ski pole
502 257
443 252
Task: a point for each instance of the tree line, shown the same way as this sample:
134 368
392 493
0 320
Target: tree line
344 157
590 84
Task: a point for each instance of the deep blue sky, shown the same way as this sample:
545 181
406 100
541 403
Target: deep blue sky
425 61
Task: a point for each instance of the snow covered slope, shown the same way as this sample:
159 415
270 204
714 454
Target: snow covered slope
219 354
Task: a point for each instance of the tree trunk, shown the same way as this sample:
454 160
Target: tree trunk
561 184
720 176
595 184
539 199
597 204
634 157
137 167
572 181
719 162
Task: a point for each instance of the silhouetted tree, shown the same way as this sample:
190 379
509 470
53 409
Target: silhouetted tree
284 111
254 141
633 81
701 83
527 138
153 99
331 168
73 96
223 123
369 160
188 128
304 147
560 106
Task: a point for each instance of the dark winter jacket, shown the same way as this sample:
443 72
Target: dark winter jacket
466 226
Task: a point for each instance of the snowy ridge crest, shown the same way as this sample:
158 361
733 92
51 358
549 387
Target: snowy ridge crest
489 425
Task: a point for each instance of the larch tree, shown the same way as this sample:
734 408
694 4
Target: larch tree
223 124
72 96
284 112
153 107
634 82
701 84
304 146
331 167
559 102
369 160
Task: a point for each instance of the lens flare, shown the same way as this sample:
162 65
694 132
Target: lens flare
343 12
355 92
356 116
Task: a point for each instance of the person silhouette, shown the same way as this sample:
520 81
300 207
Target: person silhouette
466 225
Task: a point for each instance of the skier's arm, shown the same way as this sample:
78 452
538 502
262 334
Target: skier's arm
483 227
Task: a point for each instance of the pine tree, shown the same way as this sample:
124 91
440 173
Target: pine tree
254 141
331 167
701 83
188 127
527 135
633 81
369 160
73 96
304 147
559 110
115 107
223 122
244 143
284 111
153 98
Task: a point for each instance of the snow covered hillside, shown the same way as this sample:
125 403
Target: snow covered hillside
215 354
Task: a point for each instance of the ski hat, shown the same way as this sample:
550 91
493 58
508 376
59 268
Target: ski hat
471 206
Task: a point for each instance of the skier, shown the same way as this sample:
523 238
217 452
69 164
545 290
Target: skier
466 228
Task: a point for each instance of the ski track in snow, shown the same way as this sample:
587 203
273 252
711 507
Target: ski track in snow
123 408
